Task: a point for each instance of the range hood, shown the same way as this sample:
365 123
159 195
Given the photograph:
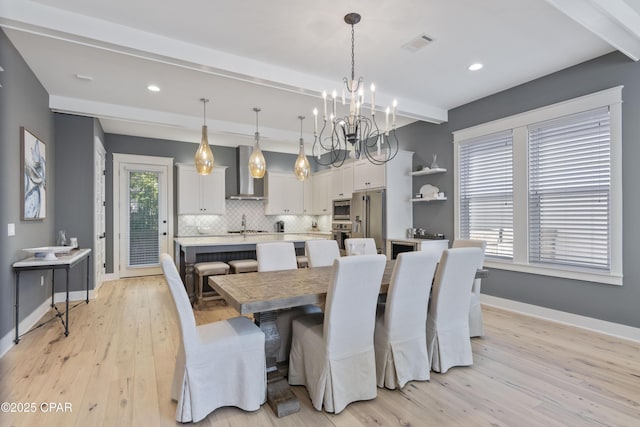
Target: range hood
245 184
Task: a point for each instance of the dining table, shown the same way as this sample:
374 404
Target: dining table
263 294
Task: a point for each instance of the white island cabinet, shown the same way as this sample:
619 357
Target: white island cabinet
200 194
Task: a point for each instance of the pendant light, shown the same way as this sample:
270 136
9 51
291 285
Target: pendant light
204 155
257 164
301 167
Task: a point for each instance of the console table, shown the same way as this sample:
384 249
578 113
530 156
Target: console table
66 262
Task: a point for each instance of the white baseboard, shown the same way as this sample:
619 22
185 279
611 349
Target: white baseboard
111 276
609 328
6 342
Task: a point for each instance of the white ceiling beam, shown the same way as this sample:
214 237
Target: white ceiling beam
52 22
614 21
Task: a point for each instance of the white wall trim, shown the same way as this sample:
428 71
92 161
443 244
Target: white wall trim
602 326
6 342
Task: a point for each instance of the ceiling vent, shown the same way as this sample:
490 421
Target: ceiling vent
417 43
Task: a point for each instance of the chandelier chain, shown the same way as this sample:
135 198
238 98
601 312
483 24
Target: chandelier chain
353 53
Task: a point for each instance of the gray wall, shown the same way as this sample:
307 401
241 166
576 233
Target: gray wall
74 175
23 102
181 152
612 303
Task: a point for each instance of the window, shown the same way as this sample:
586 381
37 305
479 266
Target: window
544 189
569 186
486 192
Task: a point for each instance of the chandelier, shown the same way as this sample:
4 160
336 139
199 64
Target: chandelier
354 134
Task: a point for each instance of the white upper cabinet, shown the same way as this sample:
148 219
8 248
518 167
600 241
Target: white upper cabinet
200 194
321 197
367 176
342 181
307 199
285 194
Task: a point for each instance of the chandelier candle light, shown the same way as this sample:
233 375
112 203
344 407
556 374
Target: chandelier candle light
301 167
257 164
354 133
204 155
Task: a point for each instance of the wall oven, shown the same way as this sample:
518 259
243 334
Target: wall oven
341 210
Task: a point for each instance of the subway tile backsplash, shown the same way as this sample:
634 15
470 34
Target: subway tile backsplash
197 225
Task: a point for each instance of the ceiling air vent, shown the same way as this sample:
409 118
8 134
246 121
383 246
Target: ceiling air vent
417 43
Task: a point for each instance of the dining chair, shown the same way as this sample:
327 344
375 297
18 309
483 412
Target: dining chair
400 336
218 364
277 256
360 246
274 256
321 253
332 355
448 341
476 328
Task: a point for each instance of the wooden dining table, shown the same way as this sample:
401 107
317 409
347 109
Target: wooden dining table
263 295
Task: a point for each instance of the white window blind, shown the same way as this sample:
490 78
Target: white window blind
144 246
569 190
486 192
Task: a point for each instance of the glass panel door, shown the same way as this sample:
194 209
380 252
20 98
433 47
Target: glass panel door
143 213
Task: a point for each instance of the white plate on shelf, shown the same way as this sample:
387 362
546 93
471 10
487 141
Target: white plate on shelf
429 191
48 253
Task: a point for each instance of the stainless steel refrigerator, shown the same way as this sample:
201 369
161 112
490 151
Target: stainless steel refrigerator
369 217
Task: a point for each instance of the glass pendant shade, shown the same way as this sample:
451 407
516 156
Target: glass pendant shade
302 168
204 155
257 164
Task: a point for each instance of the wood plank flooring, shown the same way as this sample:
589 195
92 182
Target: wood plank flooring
115 369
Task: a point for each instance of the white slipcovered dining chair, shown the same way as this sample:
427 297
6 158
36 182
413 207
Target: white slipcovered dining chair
360 246
321 253
476 328
448 341
275 256
218 364
400 335
333 355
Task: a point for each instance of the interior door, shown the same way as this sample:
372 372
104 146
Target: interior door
99 208
143 218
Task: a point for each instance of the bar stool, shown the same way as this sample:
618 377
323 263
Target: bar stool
204 270
243 265
302 260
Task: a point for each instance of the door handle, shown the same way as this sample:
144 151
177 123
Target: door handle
164 234
102 236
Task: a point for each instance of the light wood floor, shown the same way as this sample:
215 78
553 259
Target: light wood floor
116 366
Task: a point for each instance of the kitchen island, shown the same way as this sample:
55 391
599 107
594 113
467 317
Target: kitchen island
227 247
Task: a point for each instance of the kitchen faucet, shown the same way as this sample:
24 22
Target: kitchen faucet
244 226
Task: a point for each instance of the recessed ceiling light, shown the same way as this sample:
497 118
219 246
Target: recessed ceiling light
153 88
475 67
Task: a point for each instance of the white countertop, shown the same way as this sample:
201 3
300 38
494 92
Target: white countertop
250 238
65 259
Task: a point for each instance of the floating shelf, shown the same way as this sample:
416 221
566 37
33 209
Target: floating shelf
428 172
428 200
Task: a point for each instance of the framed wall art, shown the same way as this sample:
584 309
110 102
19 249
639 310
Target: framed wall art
33 157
